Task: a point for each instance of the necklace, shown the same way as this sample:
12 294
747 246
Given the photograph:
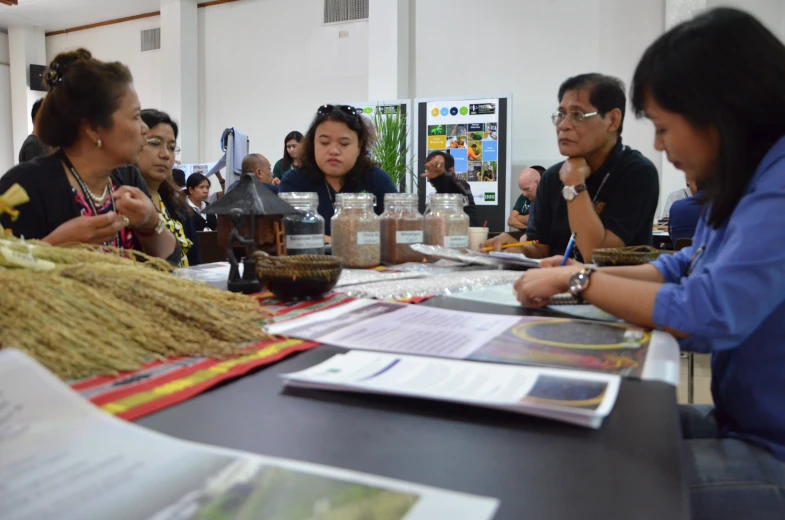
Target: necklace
98 199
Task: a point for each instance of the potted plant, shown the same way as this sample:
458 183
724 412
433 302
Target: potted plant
392 146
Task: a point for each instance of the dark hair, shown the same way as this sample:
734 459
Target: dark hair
365 134
286 162
686 71
605 92
36 107
538 169
449 160
178 176
194 180
169 191
82 89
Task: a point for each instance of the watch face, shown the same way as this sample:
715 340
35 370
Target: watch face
568 192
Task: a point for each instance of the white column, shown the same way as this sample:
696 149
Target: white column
388 49
676 11
179 94
26 46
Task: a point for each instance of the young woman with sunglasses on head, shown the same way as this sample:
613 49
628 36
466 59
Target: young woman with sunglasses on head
85 192
725 294
290 144
335 157
155 162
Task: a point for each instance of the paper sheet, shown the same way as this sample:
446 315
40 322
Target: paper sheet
62 458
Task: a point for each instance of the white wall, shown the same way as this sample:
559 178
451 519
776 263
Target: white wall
528 47
266 66
6 128
119 42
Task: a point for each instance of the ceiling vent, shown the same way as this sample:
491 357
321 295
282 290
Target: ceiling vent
151 39
342 11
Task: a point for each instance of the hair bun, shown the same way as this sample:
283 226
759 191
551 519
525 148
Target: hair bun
57 69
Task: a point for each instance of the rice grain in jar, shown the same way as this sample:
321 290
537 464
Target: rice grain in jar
304 231
401 226
356 231
446 224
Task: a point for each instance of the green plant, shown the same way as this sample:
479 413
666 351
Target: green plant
392 146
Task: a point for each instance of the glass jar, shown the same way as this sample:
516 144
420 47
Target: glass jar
355 230
446 224
304 231
401 226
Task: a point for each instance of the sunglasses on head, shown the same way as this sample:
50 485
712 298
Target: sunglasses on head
326 110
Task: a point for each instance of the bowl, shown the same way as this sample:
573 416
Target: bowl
632 255
297 277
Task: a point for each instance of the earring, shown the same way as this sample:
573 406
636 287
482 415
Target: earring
99 143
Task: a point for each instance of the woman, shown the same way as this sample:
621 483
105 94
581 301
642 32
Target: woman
725 294
84 192
335 156
198 188
155 163
290 144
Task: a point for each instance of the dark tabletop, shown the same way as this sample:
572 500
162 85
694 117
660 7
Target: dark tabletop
629 468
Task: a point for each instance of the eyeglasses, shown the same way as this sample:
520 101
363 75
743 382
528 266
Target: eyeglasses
326 110
576 116
158 143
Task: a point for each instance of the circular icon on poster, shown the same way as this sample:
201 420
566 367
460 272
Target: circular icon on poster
453 111
464 111
435 112
445 111
368 110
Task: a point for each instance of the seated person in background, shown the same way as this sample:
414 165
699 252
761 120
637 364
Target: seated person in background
725 294
85 192
33 147
198 187
178 176
605 192
335 156
683 193
440 172
684 216
155 163
290 144
258 165
528 181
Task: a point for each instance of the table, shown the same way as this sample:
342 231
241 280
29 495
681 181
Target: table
629 468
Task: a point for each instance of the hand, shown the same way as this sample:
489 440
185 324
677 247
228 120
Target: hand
328 239
134 204
536 287
574 171
87 230
555 261
276 181
498 241
432 173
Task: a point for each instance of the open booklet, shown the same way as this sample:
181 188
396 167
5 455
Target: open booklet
581 398
63 458
427 331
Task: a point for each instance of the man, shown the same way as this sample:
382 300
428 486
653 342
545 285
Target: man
528 181
440 172
684 214
605 192
677 195
33 147
259 165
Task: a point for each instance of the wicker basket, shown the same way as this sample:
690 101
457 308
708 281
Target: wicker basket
632 255
298 277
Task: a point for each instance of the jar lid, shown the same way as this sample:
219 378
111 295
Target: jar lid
299 196
355 197
400 198
448 198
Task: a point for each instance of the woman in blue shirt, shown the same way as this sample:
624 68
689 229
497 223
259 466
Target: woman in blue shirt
335 157
718 107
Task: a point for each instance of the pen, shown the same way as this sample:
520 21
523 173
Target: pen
516 244
568 251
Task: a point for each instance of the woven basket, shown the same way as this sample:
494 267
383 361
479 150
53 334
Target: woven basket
298 277
632 255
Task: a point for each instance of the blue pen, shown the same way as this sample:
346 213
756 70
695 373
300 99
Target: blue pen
568 251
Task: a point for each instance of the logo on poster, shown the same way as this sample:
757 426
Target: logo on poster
482 109
490 197
454 111
445 111
464 111
435 112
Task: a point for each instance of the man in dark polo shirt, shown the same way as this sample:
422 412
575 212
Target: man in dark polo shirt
32 146
605 192
528 181
440 172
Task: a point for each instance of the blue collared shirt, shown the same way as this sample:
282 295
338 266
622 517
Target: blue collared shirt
732 305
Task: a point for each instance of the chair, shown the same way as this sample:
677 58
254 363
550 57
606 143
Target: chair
681 243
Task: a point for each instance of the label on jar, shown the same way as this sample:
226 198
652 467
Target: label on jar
366 238
409 237
456 241
304 241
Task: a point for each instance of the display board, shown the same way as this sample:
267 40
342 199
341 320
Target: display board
476 133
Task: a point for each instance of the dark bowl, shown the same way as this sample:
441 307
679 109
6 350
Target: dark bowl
632 255
298 277
288 289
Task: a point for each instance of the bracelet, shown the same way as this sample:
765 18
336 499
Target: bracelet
159 228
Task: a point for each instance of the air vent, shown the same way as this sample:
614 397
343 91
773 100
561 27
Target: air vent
339 11
151 39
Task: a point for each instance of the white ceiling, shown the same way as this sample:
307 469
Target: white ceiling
55 15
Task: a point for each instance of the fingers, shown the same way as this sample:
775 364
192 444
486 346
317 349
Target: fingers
553 261
106 226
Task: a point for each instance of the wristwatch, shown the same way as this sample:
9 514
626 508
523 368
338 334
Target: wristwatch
579 282
159 228
570 192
